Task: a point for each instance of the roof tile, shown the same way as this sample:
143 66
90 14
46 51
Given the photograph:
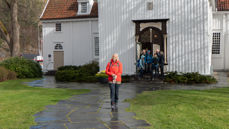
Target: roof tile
66 9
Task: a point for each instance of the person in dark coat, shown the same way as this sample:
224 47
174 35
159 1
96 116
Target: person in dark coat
148 62
155 66
162 64
158 53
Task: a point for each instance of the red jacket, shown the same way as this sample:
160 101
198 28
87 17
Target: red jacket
114 68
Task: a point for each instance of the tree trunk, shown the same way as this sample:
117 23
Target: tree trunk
15 30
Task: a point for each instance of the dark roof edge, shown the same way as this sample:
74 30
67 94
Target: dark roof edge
86 17
150 20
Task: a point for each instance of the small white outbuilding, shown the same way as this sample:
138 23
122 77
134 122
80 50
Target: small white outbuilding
70 33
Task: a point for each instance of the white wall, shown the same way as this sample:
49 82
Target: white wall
221 24
188 32
77 38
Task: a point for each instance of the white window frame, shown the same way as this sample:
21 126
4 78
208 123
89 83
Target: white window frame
80 7
221 44
55 43
96 35
60 26
149 5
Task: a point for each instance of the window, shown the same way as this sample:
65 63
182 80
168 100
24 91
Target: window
84 7
149 5
96 40
58 46
216 43
58 26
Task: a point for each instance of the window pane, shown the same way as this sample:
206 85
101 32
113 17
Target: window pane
96 46
58 26
216 43
84 7
58 46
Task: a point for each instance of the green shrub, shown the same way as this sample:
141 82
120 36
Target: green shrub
65 75
69 67
6 74
85 73
23 67
188 78
90 69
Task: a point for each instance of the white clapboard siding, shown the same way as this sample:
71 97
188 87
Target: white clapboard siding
188 29
76 37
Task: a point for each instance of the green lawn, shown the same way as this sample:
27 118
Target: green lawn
208 109
18 102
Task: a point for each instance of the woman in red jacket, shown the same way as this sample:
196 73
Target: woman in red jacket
114 72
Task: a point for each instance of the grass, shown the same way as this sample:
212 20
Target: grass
182 109
18 102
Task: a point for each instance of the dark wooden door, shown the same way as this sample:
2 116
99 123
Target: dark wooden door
152 38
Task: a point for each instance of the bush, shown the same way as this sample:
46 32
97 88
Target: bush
102 77
69 67
188 78
6 74
23 67
85 73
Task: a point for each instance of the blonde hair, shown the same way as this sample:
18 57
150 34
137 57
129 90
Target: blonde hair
116 55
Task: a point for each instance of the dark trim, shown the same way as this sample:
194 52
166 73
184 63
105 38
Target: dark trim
221 70
150 20
67 18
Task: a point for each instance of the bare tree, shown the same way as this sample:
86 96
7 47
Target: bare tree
12 38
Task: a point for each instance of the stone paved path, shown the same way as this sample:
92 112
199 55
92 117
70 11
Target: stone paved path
92 110
87 111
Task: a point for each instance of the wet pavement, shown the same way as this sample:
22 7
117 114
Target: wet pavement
92 110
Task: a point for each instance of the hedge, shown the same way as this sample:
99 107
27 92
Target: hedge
189 78
85 73
23 67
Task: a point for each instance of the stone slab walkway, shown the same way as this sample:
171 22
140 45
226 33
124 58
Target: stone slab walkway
92 110
87 111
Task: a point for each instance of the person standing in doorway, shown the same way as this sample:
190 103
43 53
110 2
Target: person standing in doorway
155 67
142 66
143 52
114 72
161 60
158 53
162 64
148 62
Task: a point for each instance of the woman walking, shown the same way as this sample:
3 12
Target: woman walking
114 72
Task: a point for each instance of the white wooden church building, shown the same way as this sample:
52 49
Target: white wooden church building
193 34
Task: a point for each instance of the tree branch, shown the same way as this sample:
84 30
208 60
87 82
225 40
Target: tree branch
7 3
5 33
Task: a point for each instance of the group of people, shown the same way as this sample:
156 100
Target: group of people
151 63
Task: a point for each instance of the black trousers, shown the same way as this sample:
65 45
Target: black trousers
162 71
114 92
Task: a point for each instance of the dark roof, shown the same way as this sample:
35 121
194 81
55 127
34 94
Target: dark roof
222 5
29 56
66 9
